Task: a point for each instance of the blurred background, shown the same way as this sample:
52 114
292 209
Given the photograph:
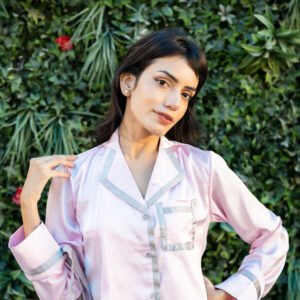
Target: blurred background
57 58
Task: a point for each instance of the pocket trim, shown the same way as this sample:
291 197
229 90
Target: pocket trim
161 211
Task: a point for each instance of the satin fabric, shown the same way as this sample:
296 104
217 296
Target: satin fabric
132 247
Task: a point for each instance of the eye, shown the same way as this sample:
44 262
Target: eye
161 82
187 96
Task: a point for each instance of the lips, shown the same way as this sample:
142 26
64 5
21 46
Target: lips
165 115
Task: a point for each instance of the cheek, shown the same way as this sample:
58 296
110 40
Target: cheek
183 110
145 99
181 114
139 105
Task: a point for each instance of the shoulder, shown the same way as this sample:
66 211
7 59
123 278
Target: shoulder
88 160
89 154
197 157
193 153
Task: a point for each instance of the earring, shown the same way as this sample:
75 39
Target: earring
126 91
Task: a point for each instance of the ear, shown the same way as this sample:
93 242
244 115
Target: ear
127 83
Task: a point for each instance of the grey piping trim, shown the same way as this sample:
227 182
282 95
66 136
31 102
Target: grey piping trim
108 164
161 220
48 264
114 189
171 183
161 211
175 161
177 209
254 280
129 200
154 257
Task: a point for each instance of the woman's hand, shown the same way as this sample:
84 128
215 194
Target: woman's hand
215 294
41 169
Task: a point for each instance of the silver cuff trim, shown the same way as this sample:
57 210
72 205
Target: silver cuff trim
48 264
254 280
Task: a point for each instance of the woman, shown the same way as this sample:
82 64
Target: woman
131 215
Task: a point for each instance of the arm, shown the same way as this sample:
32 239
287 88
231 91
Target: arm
39 249
232 202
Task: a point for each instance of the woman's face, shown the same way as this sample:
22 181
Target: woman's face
161 96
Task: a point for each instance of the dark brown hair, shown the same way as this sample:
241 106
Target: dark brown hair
166 42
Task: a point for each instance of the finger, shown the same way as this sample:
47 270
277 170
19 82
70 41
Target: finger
44 159
71 156
66 157
207 282
59 174
54 163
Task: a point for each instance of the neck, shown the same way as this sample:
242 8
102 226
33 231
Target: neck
137 144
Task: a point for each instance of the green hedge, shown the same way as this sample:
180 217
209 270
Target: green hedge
51 101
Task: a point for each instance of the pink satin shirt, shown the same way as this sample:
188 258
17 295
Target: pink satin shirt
131 247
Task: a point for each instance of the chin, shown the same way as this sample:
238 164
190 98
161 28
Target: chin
159 131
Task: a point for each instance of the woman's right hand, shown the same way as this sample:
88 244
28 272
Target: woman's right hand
41 169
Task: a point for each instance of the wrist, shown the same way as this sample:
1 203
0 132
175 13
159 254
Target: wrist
228 296
27 204
225 295
29 201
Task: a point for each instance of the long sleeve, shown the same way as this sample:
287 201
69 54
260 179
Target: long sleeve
52 254
233 203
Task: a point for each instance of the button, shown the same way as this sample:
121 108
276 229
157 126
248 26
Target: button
148 254
154 296
145 217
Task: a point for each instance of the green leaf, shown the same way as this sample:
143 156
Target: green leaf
266 33
287 34
253 50
274 65
247 60
167 11
227 227
265 21
15 274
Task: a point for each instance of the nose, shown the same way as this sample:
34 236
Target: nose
173 101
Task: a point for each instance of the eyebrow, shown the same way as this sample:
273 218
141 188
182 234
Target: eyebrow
176 80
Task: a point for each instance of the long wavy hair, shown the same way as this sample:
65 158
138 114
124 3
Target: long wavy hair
163 43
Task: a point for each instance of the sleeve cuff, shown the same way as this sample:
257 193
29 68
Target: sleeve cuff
242 285
37 252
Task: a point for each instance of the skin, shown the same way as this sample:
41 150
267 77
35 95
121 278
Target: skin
155 91
141 127
139 135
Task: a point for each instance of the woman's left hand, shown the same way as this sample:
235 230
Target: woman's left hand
215 294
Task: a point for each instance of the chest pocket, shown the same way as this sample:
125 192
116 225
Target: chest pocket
177 225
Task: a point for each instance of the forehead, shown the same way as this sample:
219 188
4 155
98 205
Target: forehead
176 66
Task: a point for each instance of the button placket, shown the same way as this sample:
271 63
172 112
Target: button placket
145 217
152 253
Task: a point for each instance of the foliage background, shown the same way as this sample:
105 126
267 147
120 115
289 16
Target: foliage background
248 109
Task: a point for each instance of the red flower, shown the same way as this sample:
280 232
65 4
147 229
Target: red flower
64 42
16 196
